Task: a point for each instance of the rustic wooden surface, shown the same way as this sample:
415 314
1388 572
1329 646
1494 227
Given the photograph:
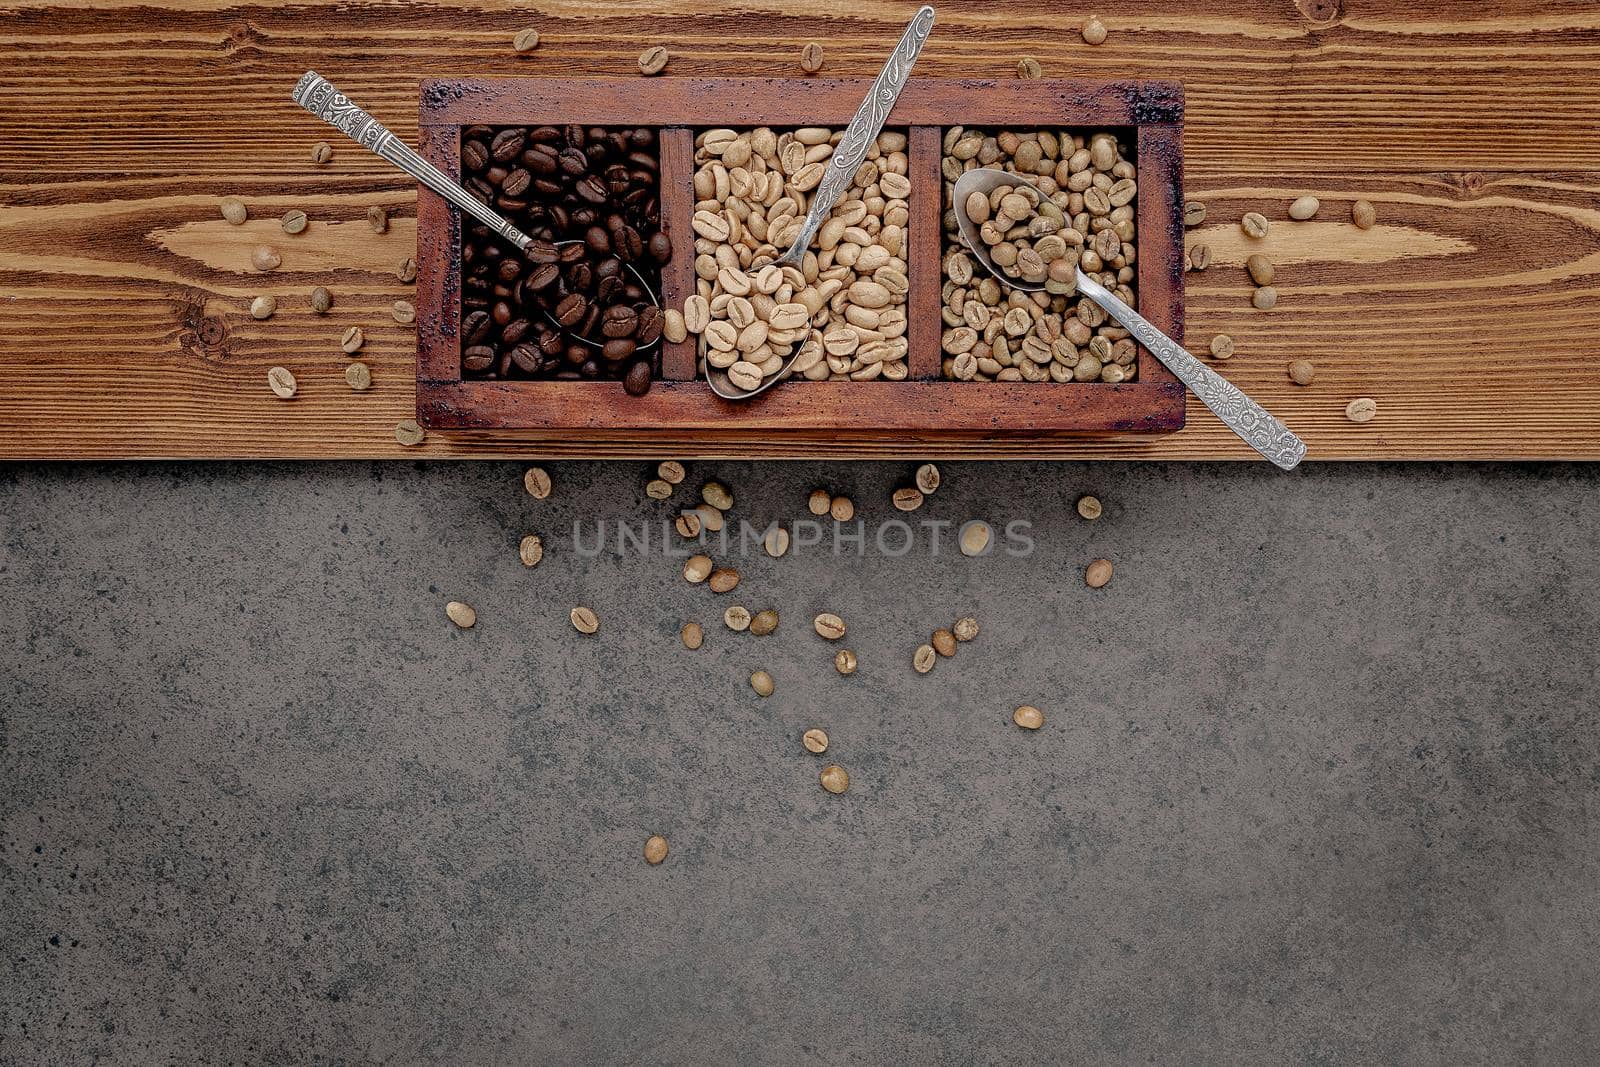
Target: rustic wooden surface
1469 313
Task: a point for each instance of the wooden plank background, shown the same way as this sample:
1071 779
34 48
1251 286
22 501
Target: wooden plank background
1469 313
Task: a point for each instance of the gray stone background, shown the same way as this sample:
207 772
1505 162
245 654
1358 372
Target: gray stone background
1318 782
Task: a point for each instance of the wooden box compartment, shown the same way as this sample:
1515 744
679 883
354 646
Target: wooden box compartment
924 409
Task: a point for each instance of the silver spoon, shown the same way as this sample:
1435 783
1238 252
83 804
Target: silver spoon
1259 429
842 166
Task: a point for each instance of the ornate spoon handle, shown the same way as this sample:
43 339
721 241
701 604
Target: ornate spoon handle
863 130
317 95
1260 430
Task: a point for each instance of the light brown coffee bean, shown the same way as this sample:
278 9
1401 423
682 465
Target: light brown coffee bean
358 377
776 542
697 569
1302 371
1265 298
928 478
405 313
819 501
907 498
816 741
1089 507
1028 717
1194 213
377 218
829 625
736 618
834 779
656 489
975 536
943 642
525 41
966 628
763 623
321 153
408 433
761 682
294 221
1200 257
1261 269
1097 573
710 518
655 848
1254 225
461 614
234 211
1094 31
717 495
842 508
1363 214
811 58
536 480
844 661
653 60
692 635
407 270
1304 207
673 327
321 300
687 524
1361 409
584 620
262 307
723 580
281 382
530 550
670 471
352 340
1028 68
265 258
1222 346
923 659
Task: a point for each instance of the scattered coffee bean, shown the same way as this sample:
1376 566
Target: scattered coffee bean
923 659
1261 270
1304 207
816 741
525 41
1200 257
761 682
234 211
1265 298
692 635
407 270
1222 346
321 152
1302 371
1028 68
294 221
907 498
1028 717
1363 214
1094 31
966 628
653 60
1097 573
844 661
358 376
405 313
688 525
736 618
656 489
1254 225
717 495
281 382
262 307
710 518
352 340
584 620
1089 507
1362 409
763 623
975 537
321 300
673 327
670 471
265 258
655 847
461 614
928 478
1194 213
776 542
829 625
842 508
408 433
536 480
530 550
377 218
944 642
723 580
819 501
811 58
697 569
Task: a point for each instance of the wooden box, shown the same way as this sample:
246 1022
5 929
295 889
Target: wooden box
923 410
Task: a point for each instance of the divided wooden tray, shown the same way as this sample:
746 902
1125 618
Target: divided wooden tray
922 409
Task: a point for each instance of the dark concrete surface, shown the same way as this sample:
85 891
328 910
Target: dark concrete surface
1319 780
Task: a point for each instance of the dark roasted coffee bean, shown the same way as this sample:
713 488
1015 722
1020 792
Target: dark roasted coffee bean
474 155
572 253
542 252
475 327
610 267
477 358
618 348
590 368
629 244
516 183
660 247
591 189
575 135
574 355
496 174
500 313
598 240
637 381
580 276
544 134
510 269
620 322
608 289
543 275
650 322
571 309
546 187
527 358
508 144
591 319
541 159
642 137
514 331
573 162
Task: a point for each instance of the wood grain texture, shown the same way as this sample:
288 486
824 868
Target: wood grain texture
1469 312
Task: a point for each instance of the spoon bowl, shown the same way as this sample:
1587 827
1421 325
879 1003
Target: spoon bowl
986 180
589 342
